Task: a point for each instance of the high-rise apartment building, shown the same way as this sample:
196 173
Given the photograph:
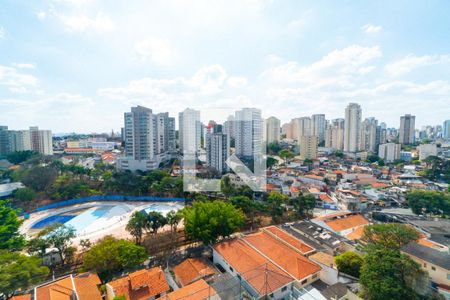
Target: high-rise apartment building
334 134
426 150
389 152
407 129
446 130
318 124
190 131
286 130
41 141
352 127
248 130
272 130
149 139
5 144
368 140
217 149
308 146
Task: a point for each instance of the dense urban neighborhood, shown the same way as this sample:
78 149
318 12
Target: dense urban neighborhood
350 209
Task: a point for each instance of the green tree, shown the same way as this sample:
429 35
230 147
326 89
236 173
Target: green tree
24 194
19 156
286 155
349 262
389 274
429 202
10 238
207 221
270 162
59 236
173 218
136 225
39 178
111 255
389 236
304 203
18 271
276 202
155 221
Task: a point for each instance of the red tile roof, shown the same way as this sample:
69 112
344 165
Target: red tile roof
142 284
256 269
198 290
347 222
282 255
289 239
190 270
326 198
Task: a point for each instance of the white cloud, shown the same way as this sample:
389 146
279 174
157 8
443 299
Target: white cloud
2 32
369 28
24 65
79 23
16 81
157 50
411 62
42 15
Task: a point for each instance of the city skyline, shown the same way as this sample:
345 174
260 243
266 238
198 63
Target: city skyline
75 66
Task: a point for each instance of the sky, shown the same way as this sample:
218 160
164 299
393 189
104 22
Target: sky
78 65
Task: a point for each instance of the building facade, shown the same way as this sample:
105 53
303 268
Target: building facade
353 114
407 129
308 147
389 152
318 124
248 130
272 130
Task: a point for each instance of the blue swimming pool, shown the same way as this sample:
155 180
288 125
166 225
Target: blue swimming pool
162 208
87 218
52 220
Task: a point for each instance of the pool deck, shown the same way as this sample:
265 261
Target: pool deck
113 225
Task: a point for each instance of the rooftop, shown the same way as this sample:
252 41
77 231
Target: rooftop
191 269
198 290
439 258
295 243
347 222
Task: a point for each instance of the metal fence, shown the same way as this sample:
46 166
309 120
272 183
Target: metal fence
108 198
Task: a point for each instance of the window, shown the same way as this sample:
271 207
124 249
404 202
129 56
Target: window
448 276
231 269
304 281
314 276
284 288
424 265
433 268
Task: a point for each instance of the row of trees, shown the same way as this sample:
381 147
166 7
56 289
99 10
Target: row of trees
384 271
429 202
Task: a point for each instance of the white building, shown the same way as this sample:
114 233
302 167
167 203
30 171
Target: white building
190 129
334 134
217 151
368 135
353 114
426 150
446 129
272 130
318 124
389 152
248 130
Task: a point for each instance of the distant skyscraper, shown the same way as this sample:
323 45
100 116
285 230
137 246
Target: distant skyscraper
272 130
5 144
368 137
190 130
217 149
334 134
248 130
318 123
41 141
139 133
426 150
352 127
286 130
149 138
407 129
389 152
308 147
446 130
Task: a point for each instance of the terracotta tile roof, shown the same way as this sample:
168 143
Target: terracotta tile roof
323 258
61 289
356 234
294 189
347 222
22 297
311 176
191 269
330 216
325 198
198 290
87 286
289 239
141 284
282 255
257 270
313 190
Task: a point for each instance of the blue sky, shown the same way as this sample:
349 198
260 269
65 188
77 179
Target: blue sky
77 65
